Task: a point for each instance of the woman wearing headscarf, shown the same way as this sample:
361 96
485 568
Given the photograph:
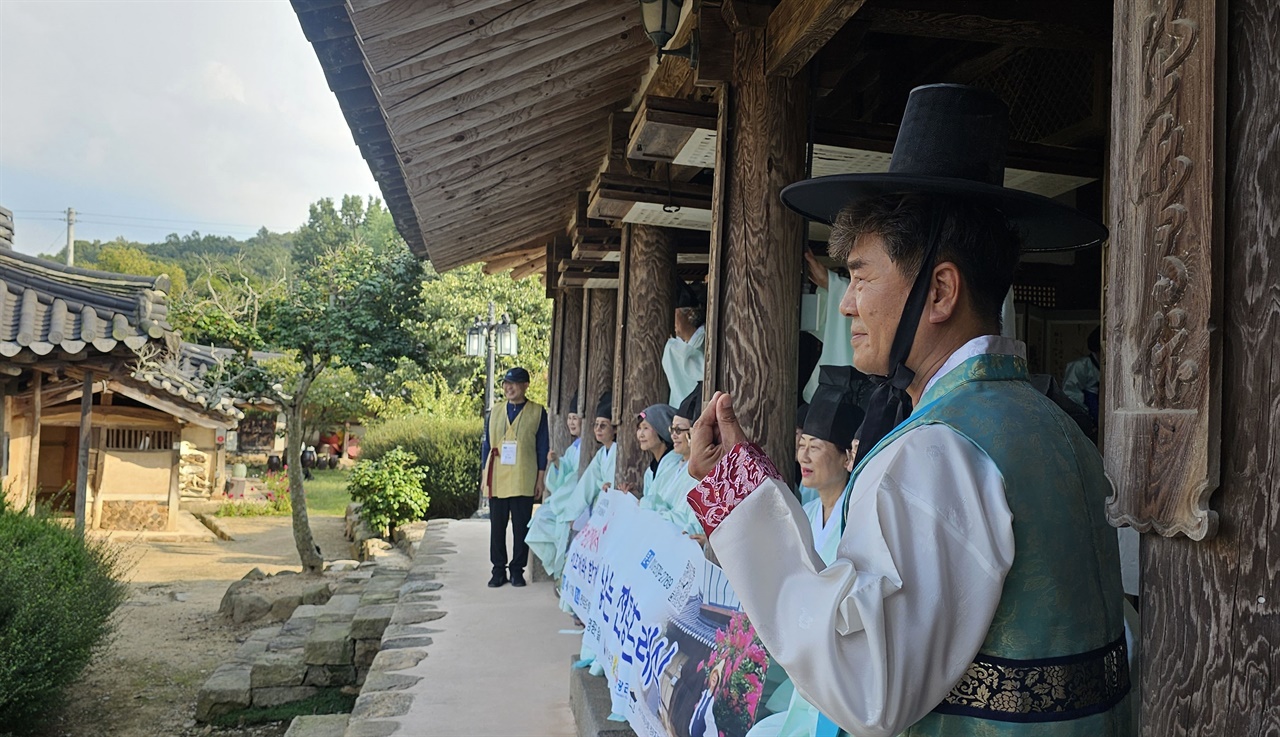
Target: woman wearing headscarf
653 432
825 440
562 476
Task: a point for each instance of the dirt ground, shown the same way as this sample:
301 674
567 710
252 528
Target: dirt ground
170 637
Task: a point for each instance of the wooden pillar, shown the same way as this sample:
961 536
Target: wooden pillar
598 321
175 497
33 452
756 250
82 455
1210 610
566 349
646 299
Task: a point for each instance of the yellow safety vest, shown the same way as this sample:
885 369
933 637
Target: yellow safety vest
518 479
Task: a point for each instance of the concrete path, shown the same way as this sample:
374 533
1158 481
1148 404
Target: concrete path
498 665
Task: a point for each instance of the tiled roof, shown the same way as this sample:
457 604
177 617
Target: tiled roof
185 379
45 307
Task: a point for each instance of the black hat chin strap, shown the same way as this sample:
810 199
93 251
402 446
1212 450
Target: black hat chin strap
890 404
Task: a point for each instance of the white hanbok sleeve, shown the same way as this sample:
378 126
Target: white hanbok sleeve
879 637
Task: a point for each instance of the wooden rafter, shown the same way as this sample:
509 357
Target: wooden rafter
1054 25
798 29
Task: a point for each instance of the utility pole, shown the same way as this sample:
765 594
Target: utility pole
71 236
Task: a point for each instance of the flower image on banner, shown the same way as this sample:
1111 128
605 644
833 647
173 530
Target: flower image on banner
681 658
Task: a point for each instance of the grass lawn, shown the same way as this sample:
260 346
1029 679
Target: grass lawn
327 492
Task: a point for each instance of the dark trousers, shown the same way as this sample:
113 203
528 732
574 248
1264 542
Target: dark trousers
519 509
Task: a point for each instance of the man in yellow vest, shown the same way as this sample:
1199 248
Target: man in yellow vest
514 455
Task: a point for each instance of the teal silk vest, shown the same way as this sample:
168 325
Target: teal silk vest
1053 663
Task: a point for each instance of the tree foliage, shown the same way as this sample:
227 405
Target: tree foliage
451 302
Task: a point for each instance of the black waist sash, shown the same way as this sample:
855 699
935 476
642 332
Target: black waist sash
1041 690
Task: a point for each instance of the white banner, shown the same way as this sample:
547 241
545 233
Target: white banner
680 656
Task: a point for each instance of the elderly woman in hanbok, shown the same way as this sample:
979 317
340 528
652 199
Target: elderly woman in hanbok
825 463
669 492
653 433
562 476
684 355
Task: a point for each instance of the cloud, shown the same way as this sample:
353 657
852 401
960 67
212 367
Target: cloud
215 112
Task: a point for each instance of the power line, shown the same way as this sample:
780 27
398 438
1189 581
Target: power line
136 225
169 220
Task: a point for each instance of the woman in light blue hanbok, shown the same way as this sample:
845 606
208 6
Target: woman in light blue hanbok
825 461
674 491
562 476
653 433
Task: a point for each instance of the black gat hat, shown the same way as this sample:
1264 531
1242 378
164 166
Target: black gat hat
952 141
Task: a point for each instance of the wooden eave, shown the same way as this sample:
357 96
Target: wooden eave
491 115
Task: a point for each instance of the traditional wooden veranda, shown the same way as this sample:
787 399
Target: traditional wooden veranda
542 136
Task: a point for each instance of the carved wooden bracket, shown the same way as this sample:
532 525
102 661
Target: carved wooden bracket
1163 296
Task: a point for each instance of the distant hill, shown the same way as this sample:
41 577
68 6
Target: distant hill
263 257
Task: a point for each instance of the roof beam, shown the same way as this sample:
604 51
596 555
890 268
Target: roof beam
1076 25
575 85
517 49
380 19
555 112
473 87
798 29
511 260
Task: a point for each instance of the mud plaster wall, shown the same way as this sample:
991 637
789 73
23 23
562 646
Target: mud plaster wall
136 473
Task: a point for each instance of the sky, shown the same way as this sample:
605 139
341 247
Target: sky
157 116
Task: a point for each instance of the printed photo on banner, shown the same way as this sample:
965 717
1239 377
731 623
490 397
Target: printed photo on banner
681 658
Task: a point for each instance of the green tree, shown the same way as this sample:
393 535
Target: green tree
451 302
348 306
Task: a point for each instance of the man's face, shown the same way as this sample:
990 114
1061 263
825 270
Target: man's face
874 300
514 391
680 436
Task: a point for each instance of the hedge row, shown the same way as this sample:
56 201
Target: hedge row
446 448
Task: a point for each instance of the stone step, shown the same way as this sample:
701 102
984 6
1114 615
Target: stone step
330 643
325 725
227 690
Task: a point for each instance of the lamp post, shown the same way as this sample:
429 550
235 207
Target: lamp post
485 338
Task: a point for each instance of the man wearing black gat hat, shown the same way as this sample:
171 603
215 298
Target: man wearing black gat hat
976 564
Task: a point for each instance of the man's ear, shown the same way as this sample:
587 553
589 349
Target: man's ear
944 293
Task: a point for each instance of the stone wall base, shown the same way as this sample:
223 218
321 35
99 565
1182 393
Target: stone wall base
134 515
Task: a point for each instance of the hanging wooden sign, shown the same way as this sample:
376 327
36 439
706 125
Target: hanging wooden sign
1163 297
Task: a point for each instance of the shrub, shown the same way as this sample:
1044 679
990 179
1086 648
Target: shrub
389 490
448 447
57 594
276 503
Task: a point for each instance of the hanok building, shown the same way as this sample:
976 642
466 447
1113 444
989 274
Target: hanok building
542 137
104 412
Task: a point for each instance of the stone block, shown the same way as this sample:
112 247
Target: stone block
265 697
229 598
417 587
249 607
226 690
370 621
378 728
401 659
329 644
249 651
327 676
317 594
379 597
304 617
280 643
421 598
373 705
416 614
278 669
366 651
590 703
381 681
323 725
284 607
